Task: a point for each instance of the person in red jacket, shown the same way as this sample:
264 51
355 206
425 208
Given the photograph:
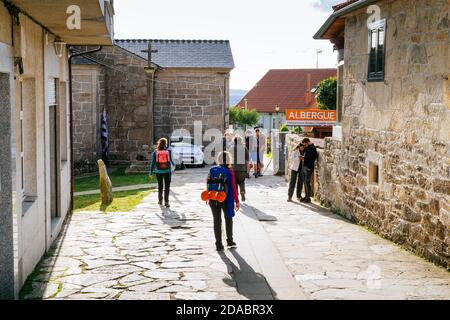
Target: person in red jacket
229 206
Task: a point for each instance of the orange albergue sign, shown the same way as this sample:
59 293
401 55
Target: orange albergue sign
311 117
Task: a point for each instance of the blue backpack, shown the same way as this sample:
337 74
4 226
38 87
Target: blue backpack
216 185
217 179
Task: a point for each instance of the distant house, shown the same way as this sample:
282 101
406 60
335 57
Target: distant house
387 165
285 88
191 83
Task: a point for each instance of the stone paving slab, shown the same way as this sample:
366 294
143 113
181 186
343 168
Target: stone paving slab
332 258
285 251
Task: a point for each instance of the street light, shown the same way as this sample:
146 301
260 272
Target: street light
277 111
59 46
318 51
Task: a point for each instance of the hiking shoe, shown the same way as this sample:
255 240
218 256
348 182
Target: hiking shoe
219 248
243 197
289 200
302 199
160 203
231 244
308 200
167 205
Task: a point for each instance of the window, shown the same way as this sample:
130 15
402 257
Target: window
27 137
54 140
63 117
22 138
377 36
373 173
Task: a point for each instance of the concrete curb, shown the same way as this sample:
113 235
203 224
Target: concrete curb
118 189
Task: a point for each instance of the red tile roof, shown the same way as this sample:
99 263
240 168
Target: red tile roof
343 5
287 88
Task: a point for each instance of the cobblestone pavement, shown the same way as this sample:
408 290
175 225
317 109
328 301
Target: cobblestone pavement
285 251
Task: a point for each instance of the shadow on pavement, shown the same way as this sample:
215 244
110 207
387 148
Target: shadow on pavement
251 284
171 217
322 211
36 284
256 214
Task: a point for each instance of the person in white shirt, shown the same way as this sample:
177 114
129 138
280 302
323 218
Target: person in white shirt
296 164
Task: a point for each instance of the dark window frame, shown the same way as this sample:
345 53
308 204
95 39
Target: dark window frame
376 57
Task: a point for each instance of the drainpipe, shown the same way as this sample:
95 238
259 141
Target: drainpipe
72 175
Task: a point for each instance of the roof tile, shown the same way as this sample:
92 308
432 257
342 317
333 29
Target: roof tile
286 88
183 53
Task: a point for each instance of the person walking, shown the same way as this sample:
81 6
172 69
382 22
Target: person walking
308 167
260 150
248 143
222 196
162 165
296 167
240 159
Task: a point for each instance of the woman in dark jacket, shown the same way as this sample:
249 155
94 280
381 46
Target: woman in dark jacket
162 165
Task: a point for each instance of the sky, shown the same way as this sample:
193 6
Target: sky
263 34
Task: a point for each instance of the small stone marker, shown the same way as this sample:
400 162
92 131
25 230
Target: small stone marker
105 184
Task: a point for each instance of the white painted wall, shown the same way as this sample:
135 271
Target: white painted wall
7 66
34 230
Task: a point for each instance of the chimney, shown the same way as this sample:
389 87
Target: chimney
308 89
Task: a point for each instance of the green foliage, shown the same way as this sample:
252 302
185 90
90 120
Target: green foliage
327 94
234 114
284 128
243 117
123 201
297 130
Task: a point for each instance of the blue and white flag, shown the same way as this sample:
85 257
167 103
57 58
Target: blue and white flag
105 138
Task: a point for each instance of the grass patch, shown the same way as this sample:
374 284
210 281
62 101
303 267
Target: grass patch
118 179
123 201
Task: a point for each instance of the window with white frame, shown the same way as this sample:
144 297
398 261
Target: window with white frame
27 138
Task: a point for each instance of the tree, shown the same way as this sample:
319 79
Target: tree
284 128
327 94
234 114
243 116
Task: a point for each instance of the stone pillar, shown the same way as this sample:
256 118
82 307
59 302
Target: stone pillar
278 143
6 192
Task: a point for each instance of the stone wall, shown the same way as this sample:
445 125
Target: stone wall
119 83
122 88
391 171
88 103
183 96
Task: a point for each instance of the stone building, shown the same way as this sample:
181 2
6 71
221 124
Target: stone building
35 157
287 89
387 165
191 83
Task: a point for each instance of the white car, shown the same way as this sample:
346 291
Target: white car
184 149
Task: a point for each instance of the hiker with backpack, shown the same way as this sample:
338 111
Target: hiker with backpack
162 165
240 159
222 196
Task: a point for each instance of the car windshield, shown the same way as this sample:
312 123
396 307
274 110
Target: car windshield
177 141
